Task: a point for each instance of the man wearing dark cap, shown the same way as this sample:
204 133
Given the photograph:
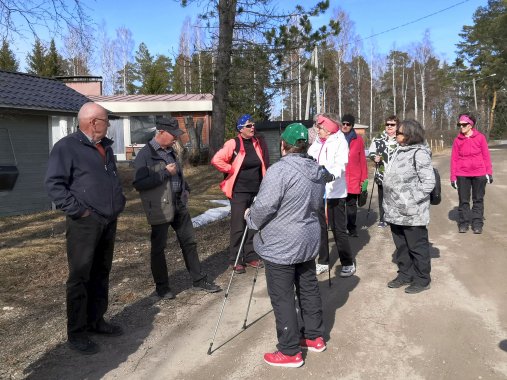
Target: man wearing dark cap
164 194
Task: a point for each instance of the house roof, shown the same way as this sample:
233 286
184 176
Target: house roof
149 104
22 91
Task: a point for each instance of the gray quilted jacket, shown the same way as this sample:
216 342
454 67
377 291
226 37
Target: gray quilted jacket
407 191
285 212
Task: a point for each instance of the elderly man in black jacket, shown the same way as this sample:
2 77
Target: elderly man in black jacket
82 181
164 194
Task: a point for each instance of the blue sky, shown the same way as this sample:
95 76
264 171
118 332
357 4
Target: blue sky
158 23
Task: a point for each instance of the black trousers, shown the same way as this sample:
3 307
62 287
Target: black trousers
351 202
182 226
90 246
475 216
239 203
412 253
380 190
281 280
337 220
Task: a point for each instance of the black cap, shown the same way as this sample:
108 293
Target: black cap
169 124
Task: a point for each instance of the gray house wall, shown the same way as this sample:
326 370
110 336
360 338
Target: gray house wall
30 139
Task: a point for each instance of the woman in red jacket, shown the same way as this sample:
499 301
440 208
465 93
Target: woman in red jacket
356 172
244 159
470 171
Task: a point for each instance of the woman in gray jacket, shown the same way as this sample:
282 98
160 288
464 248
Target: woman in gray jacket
408 182
285 215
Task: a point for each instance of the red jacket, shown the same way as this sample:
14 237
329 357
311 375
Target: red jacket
221 160
357 170
470 156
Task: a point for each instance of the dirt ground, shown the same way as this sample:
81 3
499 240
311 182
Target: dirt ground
456 330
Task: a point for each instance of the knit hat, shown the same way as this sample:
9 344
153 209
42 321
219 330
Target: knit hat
348 118
295 132
242 121
330 125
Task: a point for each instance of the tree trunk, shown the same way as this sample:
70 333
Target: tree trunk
358 91
226 16
415 93
394 88
317 84
339 84
491 115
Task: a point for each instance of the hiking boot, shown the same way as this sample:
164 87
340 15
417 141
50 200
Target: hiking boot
255 264
207 286
315 345
239 269
416 288
477 230
83 345
278 359
353 234
104 328
348 270
382 224
462 229
321 268
397 283
168 295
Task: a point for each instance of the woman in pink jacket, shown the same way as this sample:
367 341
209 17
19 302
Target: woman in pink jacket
356 172
244 159
470 171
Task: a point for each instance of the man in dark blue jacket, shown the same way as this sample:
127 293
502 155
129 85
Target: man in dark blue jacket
82 181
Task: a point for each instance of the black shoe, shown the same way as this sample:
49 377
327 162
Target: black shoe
207 286
168 295
83 345
104 328
477 230
462 229
353 234
397 283
415 288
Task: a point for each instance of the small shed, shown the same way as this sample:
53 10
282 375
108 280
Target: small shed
35 112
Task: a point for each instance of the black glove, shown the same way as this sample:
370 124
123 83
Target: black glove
489 178
454 185
326 176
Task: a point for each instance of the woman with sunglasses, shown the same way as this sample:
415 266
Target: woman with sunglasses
381 151
470 171
408 182
244 161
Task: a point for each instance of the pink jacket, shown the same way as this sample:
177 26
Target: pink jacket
221 160
470 156
357 170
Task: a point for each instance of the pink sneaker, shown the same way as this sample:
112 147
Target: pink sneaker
315 345
278 359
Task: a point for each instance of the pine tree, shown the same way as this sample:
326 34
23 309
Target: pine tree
53 67
7 59
37 59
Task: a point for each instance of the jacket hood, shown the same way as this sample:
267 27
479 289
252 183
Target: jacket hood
407 148
475 133
305 165
79 135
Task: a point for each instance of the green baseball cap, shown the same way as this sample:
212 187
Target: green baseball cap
295 132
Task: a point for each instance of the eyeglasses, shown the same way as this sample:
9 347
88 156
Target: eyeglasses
346 124
461 125
399 133
390 125
252 125
104 120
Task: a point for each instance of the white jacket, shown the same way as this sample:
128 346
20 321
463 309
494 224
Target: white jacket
334 155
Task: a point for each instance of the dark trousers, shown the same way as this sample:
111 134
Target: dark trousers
337 221
412 253
239 203
90 246
280 280
351 202
380 190
182 226
476 185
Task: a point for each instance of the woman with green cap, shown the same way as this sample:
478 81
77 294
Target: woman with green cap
285 215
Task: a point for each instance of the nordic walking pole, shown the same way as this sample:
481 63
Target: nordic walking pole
328 251
373 187
227 291
251 294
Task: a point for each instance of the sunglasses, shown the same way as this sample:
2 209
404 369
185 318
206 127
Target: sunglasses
249 125
390 125
461 125
346 124
398 133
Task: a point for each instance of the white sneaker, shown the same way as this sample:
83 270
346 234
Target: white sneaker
321 268
348 270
